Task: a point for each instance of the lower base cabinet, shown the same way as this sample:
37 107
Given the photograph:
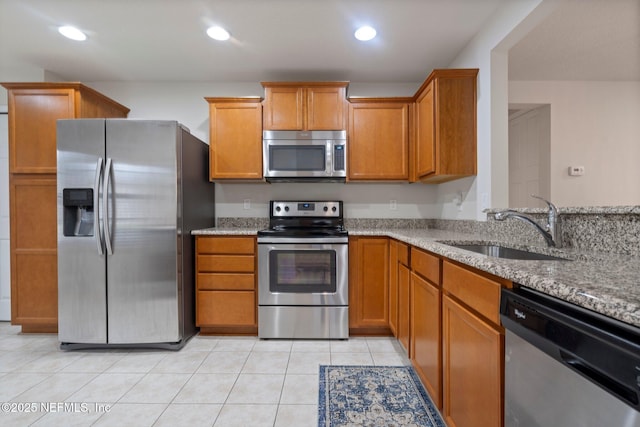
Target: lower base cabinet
369 286
473 374
404 310
426 336
226 297
472 347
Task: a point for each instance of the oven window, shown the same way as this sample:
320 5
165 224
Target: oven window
302 271
297 158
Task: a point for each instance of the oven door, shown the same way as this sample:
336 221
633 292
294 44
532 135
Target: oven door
298 273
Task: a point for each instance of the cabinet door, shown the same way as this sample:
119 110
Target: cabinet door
445 110
425 133
325 108
34 261
404 307
284 108
473 368
235 140
32 127
369 284
426 335
393 287
378 141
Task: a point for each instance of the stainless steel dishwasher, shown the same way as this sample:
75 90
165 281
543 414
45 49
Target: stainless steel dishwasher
567 366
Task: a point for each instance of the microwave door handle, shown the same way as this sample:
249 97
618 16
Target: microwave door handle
329 166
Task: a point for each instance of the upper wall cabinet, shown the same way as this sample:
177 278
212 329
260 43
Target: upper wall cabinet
305 105
34 109
445 126
379 139
235 138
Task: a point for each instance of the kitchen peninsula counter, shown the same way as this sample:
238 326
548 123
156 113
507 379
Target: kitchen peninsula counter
605 283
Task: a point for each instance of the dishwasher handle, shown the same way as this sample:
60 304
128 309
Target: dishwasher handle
615 387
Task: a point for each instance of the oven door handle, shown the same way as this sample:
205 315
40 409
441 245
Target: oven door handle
303 241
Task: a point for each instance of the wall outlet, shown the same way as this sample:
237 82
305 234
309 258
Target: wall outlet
393 205
576 170
246 204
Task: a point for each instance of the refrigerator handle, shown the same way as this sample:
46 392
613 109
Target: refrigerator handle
105 206
96 197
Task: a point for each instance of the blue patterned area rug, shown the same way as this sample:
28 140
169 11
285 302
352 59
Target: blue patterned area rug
374 396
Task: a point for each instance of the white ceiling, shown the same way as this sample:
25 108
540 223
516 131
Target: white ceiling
581 40
165 40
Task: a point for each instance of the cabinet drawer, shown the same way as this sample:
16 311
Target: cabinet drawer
226 263
226 308
478 292
426 265
226 245
226 281
403 254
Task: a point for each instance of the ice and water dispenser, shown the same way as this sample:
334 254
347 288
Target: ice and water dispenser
78 211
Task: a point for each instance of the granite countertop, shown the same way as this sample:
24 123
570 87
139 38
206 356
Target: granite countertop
605 283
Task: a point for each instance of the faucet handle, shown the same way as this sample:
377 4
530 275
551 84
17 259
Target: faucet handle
552 207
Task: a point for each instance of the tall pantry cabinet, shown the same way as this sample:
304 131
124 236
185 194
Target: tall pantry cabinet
34 109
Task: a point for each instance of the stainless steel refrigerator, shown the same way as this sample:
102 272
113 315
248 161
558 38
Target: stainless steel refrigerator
129 194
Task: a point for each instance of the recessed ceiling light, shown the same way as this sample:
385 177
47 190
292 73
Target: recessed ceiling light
72 33
365 33
218 33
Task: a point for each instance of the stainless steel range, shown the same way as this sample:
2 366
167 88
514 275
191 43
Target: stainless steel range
303 280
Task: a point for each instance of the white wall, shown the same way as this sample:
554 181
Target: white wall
488 52
595 125
5 273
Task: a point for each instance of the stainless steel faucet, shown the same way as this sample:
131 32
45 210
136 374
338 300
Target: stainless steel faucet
552 231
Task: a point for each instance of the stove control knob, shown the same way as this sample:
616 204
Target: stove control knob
286 208
278 208
334 209
326 209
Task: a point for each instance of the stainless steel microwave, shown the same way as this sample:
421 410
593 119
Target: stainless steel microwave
305 155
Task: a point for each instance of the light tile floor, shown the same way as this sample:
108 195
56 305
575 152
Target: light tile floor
212 381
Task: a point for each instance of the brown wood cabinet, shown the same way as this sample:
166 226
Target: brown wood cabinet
399 291
404 297
451 312
378 139
426 330
369 285
226 297
393 287
305 105
34 109
473 348
445 126
235 138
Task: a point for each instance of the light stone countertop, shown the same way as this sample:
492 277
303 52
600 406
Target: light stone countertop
607 284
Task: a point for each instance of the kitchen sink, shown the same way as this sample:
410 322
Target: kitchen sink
505 252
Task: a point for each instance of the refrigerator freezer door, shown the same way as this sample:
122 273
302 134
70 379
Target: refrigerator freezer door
143 295
81 267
